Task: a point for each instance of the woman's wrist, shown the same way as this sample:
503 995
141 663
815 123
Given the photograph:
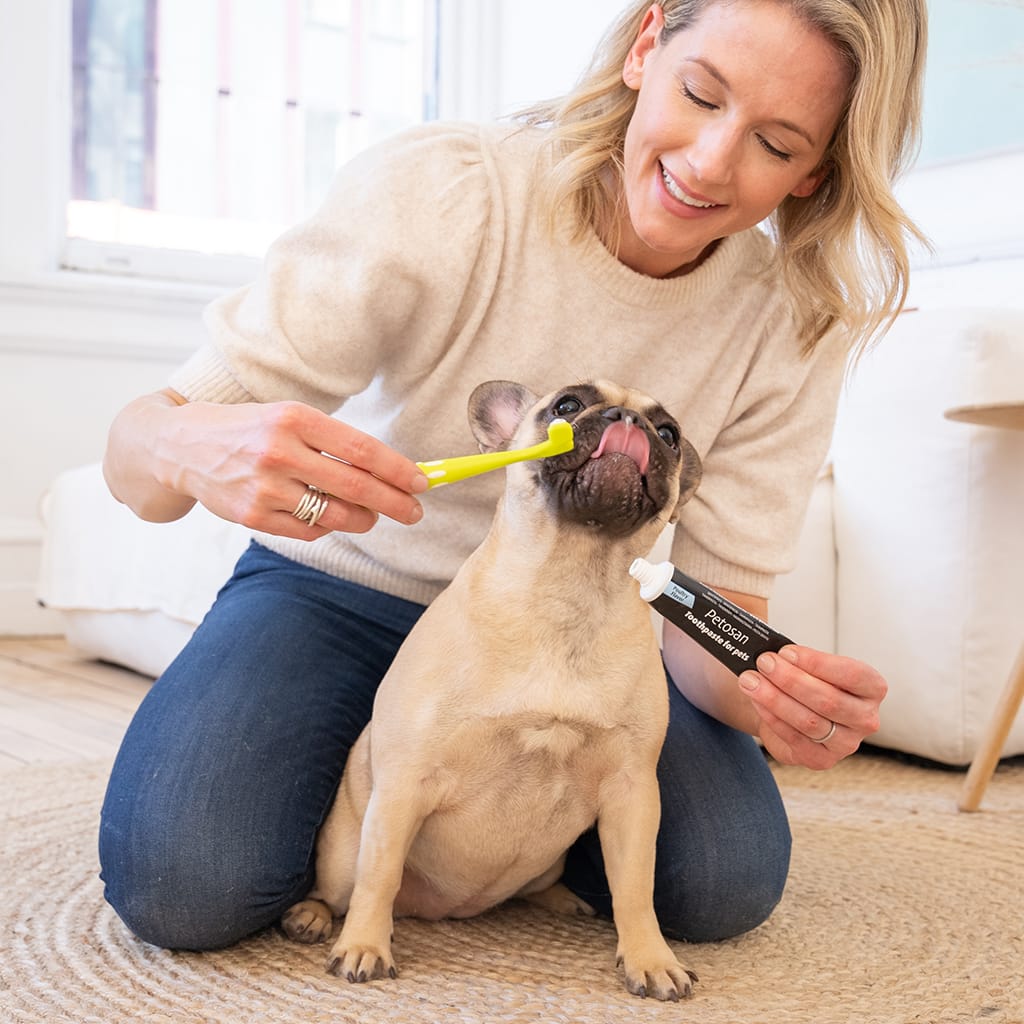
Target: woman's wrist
135 474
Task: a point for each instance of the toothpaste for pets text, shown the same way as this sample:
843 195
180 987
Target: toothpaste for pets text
734 636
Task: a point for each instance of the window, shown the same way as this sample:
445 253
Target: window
211 125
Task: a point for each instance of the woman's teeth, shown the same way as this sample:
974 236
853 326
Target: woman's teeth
677 193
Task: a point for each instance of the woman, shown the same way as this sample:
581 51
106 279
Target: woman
612 233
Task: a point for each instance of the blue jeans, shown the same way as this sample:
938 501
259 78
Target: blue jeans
231 762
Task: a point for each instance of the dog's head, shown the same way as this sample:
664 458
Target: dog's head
630 465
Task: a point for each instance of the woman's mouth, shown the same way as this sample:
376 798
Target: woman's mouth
676 192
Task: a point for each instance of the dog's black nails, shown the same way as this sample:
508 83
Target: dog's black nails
693 975
334 965
392 973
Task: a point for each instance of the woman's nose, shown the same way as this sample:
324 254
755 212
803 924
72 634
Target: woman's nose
714 153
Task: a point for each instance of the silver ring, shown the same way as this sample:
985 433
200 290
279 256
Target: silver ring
826 737
311 506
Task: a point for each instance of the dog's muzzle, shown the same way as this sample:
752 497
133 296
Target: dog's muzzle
614 480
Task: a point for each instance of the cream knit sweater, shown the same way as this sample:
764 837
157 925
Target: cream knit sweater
429 269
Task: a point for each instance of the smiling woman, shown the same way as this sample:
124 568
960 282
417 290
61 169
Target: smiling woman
612 233
732 115
755 110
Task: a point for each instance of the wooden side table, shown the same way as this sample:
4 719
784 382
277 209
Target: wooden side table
1010 416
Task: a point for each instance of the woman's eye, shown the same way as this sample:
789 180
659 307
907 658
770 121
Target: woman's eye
694 98
669 435
769 148
567 405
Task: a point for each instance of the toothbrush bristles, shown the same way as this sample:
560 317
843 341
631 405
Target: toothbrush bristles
560 436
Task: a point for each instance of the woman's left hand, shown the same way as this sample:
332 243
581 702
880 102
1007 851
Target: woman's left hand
814 708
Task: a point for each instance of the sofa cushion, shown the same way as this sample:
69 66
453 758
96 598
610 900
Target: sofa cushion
928 519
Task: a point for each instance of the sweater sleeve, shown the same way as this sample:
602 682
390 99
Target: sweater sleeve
742 526
376 276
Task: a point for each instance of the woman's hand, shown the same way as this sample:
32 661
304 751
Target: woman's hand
800 694
252 463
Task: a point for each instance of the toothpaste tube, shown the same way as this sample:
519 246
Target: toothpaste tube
734 636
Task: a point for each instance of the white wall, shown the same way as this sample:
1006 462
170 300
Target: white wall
68 362
545 47
75 347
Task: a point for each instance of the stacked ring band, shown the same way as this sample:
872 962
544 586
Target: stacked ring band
312 506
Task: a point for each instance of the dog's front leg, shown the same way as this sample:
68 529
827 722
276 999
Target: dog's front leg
628 828
362 951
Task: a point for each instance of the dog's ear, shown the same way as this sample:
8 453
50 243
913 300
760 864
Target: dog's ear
496 408
690 472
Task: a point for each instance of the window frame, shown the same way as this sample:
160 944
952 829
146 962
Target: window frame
35 60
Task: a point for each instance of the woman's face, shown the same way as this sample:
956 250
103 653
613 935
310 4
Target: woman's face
732 115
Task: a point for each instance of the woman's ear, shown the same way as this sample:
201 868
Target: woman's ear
813 181
646 41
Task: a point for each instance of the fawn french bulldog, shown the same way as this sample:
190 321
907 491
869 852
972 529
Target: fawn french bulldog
528 702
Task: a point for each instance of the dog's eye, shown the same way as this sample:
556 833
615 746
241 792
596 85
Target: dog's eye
669 435
567 405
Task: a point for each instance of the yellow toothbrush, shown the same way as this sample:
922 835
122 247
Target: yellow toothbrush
448 471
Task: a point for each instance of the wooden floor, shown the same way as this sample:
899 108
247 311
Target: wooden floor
58 707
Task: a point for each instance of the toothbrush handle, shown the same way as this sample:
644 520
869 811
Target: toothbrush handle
449 471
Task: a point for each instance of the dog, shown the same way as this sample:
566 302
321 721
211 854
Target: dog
528 702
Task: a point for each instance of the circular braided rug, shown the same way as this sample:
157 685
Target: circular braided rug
899 909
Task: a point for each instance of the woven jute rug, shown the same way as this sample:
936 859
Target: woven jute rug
899 909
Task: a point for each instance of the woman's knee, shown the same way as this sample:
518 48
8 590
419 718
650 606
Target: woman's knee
717 894
195 856
179 890
228 767
724 842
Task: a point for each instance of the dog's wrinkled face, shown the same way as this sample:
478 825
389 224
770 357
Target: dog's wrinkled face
629 466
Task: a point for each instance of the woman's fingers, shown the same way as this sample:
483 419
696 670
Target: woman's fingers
253 464
801 694
358 470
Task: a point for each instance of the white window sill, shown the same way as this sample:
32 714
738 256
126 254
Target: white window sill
76 313
104 290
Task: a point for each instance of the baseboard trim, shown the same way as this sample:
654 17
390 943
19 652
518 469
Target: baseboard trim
21 532
22 615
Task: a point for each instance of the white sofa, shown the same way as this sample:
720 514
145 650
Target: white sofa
910 558
926 522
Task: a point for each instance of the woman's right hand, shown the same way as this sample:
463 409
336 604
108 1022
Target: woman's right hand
251 464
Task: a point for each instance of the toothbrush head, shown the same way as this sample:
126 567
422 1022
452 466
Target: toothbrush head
560 438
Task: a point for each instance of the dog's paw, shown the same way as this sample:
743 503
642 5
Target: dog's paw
361 962
560 899
662 977
309 921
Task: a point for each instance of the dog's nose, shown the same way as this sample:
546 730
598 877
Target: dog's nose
627 416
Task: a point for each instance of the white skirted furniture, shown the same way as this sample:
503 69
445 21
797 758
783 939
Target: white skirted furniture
996 400
910 558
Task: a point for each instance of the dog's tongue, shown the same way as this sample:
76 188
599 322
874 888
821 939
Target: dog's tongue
627 440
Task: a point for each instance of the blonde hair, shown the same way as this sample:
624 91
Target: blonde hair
842 251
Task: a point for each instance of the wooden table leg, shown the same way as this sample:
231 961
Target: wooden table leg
994 739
